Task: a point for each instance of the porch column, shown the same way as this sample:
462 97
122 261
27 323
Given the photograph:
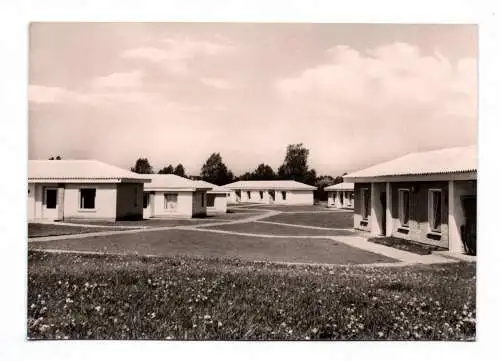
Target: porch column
152 199
454 237
388 212
60 201
337 200
376 210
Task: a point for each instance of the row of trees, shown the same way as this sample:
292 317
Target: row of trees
295 166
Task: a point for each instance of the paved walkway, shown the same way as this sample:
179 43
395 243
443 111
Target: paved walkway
405 258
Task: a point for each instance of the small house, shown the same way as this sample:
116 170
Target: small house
271 192
169 195
83 189
217 198
428 197
341 195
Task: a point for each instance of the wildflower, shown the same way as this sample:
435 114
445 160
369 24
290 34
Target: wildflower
153 315
219 323
380 334
32 306
315 330
207 317
98 308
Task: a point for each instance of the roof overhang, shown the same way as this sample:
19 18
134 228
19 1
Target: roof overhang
252 188
88 180
472 175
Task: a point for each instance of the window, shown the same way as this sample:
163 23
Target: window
87 198
365 202
51 198
435 210
145 200
404 207
249 194
171 201
210 200
261 195
283 195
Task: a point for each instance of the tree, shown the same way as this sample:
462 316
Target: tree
166 170
321 183
179 170
56 158
263 172
295 165
142 166
215 171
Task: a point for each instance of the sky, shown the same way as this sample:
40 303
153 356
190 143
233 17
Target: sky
353 94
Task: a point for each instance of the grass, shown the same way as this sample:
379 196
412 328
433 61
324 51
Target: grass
45 230
171 222
98 297
406 245
192 243
323 219
276 229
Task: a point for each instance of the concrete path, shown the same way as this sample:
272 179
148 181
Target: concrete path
405 258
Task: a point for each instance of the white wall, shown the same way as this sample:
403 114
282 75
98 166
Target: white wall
220 204
184 205
105 202
31 201
199 203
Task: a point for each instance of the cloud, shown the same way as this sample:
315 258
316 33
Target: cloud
41 94
382 103
131 79
218 83
394 75
173 53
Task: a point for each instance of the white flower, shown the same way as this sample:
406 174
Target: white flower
97 308
207 317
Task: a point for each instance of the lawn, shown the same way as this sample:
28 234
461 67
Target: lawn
276 229
111 297
45 229
172 222
323 219
216 245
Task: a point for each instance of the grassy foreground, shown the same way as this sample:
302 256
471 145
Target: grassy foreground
111 297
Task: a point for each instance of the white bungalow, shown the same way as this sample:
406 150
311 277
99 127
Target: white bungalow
82 189
429 197
169 195
217 197
271 192
341 195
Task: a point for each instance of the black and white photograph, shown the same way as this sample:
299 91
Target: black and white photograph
246 181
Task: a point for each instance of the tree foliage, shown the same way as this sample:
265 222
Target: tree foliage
142 166
56 158
180 171
215 171
295 165
166 170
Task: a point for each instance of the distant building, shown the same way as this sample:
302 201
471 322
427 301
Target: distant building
429 197
341 195
82 189
217 197
271 192
169 195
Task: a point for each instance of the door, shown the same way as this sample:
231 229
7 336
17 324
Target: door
272 196
468 230
50 209
383 201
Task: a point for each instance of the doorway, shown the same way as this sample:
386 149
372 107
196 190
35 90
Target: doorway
50 209
468 230
383 202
